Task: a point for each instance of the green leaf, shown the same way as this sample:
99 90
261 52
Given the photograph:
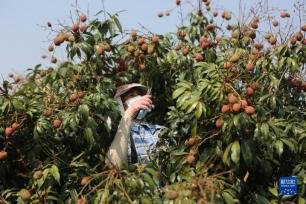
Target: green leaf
185 84
289 143
18 105
226 154
89 137
264 129
235 152
199 110
84 112
192 107
246 151
273 191
182 99
118 24
236 120
55 173
228 197
258 199
279 146
149 181
178 92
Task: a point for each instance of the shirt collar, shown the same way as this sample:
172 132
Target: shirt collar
137 124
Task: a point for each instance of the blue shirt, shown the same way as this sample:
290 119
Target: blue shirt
142 141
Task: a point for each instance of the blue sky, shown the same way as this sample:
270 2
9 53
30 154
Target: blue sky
23 39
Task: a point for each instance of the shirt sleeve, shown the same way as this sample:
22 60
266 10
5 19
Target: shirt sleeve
118 151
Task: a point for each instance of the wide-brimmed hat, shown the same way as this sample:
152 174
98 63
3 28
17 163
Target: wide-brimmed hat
125 88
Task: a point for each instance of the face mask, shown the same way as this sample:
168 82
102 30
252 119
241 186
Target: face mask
142 113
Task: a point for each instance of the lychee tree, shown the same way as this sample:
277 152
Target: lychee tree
232 99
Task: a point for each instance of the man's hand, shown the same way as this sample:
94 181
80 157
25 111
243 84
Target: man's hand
144 102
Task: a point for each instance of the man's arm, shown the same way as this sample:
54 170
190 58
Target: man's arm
118 151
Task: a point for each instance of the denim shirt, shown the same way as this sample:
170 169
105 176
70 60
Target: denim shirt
142 141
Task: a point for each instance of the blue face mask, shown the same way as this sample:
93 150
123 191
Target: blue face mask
141 113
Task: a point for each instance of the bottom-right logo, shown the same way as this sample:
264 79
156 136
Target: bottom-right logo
287 186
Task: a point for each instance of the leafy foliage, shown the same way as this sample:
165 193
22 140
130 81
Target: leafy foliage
235 117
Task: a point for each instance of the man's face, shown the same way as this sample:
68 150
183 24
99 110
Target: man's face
130 94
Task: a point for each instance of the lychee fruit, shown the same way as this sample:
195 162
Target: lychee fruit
293 40
243 103
150 49
83 27
219 123
80 94
142 40
299 35
75 27
85 180
191 141
50 48
198 57
100 50
254 85
81 200
232 98
73 97
134 35
3 155
236 107
267 36
272 40
181 35
235 34
53 60
258 46
83 18
25 195
48 112
172 195
254 25
226 15
131 49
57 123
190 158
211 27
215 13
218 38
284 14
15 126
142 67
227 65
9 131
107 47
58 40
250 66
249 91
225 108
160 14
185 51
144 47
275 22
249 110
155 39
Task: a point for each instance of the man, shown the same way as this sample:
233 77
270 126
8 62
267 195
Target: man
135 139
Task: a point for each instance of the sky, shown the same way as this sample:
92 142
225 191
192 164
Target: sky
24 38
